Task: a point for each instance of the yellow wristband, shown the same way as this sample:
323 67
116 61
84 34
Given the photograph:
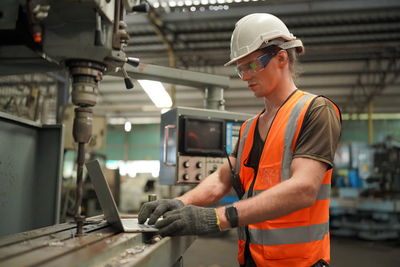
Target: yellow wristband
218 222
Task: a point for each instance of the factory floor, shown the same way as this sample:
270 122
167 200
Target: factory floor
220 251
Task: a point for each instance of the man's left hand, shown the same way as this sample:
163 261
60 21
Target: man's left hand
189 220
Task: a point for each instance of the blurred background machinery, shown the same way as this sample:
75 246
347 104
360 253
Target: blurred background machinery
367 190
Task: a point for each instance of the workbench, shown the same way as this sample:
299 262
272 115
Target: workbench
100 245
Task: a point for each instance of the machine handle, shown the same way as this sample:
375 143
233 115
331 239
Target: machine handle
165 144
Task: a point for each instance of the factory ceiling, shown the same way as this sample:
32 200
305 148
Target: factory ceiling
352 52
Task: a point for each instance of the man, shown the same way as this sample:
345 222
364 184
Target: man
283 159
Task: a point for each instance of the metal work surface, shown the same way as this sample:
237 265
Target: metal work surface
30 165
100 245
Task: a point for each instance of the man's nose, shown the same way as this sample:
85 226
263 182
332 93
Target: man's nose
246 75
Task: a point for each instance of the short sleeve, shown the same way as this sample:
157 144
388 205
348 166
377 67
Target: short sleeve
320 132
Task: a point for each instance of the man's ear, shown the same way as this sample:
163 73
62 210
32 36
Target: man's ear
283 58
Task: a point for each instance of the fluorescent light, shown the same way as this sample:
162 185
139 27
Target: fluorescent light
134 120
163 110
128 126
157 93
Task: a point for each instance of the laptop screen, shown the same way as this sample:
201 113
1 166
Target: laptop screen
103 193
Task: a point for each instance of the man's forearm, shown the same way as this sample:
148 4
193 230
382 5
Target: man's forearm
276 202
296 193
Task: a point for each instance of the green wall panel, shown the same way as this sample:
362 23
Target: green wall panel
142 143
357 130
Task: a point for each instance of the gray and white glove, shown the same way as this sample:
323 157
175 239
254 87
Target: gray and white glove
155 209
189 220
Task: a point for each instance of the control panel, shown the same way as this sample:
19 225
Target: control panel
193 169
195 143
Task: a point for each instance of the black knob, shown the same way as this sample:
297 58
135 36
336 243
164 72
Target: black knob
127 80
199 176
128 83
199 164
141 8
185 176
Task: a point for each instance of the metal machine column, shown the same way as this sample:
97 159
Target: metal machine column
214 98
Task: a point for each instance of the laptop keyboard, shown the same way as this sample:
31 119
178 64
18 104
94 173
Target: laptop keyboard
133 224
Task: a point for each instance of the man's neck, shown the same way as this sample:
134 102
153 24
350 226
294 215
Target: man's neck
274 100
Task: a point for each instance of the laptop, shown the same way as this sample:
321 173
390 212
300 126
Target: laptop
108 205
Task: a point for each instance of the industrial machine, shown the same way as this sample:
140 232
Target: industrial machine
195 142
86 37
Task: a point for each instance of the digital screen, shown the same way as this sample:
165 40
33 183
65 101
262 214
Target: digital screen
204 136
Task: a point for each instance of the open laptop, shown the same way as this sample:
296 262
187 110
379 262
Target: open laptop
108 205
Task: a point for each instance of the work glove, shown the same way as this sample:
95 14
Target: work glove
189 220
155 209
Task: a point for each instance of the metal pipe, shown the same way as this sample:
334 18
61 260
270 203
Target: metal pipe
117 8
370 123
214 98
79 188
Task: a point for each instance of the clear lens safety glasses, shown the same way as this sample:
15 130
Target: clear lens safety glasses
254 66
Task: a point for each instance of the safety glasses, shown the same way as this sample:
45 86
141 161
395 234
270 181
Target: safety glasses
256 65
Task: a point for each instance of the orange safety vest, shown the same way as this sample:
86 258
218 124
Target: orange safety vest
300 238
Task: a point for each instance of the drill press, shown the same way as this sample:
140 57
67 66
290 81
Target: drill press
85 78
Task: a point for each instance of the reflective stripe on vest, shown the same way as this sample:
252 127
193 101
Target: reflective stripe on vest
323 193
291 235
290 131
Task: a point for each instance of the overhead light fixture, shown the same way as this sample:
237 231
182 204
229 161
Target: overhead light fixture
128 126
157 93
163 110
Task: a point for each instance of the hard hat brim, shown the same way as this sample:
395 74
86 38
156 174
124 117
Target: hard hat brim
296 43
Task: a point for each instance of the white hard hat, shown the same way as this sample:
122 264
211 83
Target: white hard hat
259 30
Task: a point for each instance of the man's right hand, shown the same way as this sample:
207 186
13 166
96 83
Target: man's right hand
155 209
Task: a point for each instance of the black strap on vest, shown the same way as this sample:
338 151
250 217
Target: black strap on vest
236 184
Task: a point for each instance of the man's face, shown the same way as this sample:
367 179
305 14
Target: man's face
259 71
